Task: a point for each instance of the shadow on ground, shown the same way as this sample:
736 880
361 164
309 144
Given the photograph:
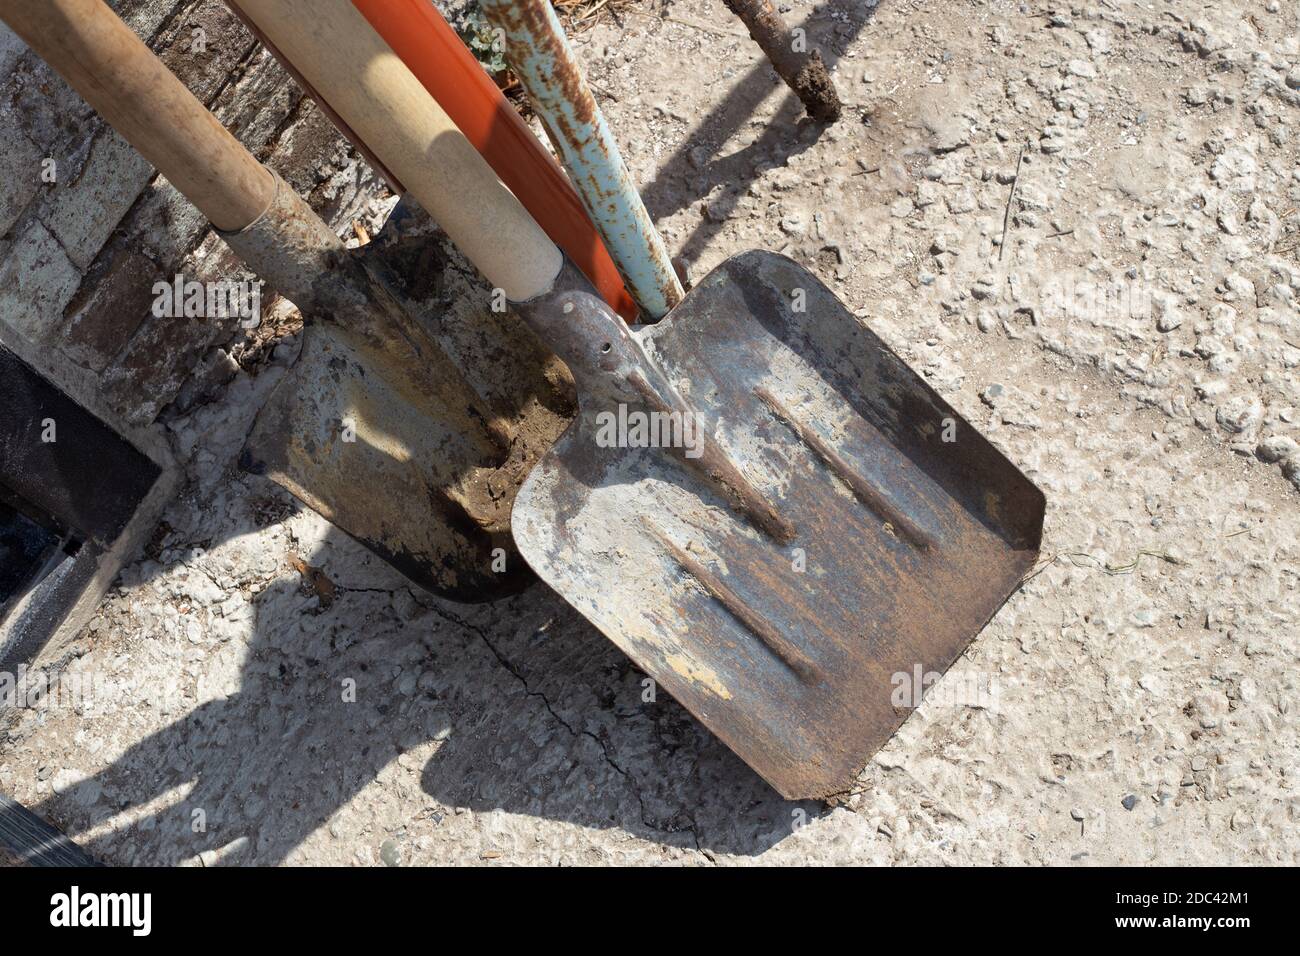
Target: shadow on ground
695 170
534 713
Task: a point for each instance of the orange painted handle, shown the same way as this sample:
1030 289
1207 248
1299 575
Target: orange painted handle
432 51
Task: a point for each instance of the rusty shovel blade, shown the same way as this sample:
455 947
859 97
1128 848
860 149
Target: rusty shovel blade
815 521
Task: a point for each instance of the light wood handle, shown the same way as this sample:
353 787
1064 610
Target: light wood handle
112 69
351 66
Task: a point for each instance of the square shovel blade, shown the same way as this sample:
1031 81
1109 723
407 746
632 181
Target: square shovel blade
907 530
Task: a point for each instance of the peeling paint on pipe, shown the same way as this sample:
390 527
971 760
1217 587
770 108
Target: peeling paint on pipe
540 54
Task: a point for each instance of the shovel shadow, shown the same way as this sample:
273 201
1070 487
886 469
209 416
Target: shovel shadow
517 706
249 775
593 746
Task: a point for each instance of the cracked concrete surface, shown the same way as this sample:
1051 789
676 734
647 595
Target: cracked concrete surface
1144 705
483 635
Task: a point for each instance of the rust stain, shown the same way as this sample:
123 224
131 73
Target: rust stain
715 465
316 579
877 499
782 647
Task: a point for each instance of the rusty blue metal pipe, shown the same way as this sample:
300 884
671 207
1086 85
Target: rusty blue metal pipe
540 55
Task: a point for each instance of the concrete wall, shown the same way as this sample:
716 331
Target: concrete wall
79 255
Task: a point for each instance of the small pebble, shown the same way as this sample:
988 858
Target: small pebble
1291 470
1169 321
1276 448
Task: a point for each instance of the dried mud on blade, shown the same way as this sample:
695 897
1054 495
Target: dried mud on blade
409 424
352 433
866 529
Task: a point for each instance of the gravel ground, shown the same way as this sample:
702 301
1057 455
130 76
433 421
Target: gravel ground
1127 334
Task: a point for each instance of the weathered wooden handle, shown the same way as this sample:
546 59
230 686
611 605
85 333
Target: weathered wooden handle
86 42
351 66
443 64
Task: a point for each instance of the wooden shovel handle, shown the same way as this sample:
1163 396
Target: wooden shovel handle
430 48
351 66
384 172
112 69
